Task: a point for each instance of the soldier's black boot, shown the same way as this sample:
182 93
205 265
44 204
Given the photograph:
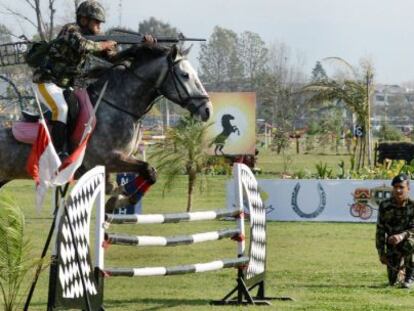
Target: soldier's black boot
392 275
59 138
393 268
409 276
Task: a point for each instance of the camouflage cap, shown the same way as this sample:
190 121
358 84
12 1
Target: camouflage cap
399 179
91 9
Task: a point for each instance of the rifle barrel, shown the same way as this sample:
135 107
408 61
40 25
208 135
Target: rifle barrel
136 38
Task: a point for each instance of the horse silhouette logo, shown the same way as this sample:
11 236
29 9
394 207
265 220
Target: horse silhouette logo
228 129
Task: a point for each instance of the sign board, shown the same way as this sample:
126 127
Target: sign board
320 200
233 131
123 179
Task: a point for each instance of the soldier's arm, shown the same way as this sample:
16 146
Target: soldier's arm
409 233
77 41
380 235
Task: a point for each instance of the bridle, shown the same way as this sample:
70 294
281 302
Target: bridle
185 101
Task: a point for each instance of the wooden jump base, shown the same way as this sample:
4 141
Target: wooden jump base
77 283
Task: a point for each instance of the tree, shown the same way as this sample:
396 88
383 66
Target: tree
278 89
356 92
44 23
252 53
183 152
157 28
5 34
318 73
220 66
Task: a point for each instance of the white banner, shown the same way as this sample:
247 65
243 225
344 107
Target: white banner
320 200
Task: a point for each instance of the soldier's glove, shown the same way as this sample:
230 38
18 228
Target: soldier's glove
108 45
149 40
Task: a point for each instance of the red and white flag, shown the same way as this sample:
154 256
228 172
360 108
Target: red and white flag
73 162
43 162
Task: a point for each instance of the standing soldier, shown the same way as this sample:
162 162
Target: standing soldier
395 232
67 53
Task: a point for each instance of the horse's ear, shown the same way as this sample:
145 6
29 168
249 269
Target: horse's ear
186 51
173 53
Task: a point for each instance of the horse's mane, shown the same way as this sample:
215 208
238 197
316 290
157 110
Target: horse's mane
135 56
139 54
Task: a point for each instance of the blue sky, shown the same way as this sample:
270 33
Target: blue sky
351 29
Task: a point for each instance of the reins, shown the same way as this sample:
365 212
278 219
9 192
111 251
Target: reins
184 102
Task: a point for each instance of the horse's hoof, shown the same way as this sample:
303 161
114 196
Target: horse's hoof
116 201
110 186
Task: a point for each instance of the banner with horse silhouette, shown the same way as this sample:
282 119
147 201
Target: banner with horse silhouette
233 131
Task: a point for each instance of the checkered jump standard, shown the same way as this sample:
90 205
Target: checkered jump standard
77 283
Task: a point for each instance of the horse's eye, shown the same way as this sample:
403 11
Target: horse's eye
186 75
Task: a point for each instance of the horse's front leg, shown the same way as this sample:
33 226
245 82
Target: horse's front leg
236 130
124 163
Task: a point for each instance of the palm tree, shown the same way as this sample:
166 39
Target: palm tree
15 259
356 92
183 152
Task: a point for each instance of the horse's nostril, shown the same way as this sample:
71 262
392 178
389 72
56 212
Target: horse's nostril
207 113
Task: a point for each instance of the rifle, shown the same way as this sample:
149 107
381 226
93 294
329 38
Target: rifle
132 37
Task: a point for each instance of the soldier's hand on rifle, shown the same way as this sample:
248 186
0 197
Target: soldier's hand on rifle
396 238
383 259
108 45
149 40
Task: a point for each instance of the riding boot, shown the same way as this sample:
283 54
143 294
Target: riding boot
59 138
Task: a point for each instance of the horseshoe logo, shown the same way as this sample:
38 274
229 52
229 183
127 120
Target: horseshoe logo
318 211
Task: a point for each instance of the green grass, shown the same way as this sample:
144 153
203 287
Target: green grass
323 266
273 164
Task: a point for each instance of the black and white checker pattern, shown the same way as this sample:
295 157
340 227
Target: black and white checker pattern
257 211
79 208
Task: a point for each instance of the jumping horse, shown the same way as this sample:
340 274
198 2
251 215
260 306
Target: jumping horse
144 74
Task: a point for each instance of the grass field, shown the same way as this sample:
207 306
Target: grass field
323 266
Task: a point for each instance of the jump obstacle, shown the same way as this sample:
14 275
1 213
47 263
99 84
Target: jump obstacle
77 283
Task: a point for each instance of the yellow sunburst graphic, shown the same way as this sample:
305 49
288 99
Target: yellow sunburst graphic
234 123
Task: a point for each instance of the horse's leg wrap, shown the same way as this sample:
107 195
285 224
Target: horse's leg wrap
125 163
129 194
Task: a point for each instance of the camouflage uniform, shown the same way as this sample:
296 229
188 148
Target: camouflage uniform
62 66
393 219
67 54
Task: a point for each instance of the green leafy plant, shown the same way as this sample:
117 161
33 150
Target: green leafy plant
342 172
183 152
302 174
323 171
16 262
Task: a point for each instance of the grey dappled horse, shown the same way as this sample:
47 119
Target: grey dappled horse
145 74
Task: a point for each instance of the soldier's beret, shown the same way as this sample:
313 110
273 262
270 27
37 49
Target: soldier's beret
399 179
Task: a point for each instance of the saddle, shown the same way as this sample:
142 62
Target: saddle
80 111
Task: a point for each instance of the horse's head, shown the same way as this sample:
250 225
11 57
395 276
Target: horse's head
227 117
176 79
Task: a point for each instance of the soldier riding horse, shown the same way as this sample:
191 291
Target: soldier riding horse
144 74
